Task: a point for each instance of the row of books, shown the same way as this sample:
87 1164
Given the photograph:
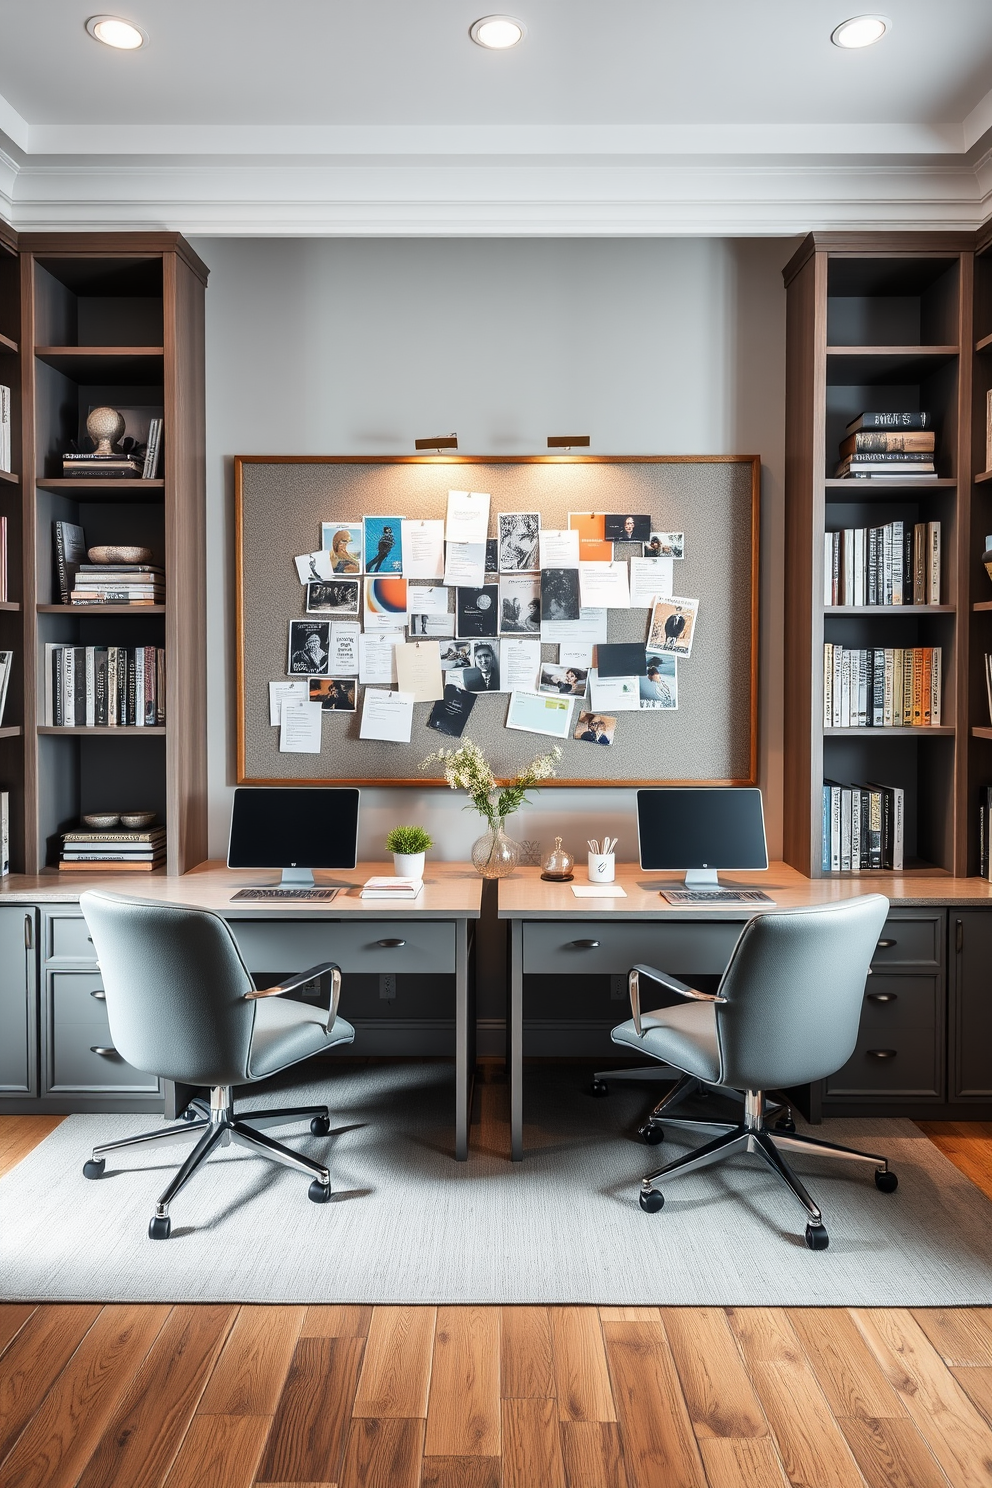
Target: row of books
104 686
881 686
118 583
116 851
985 831
897 564
863 827
6 422
888 444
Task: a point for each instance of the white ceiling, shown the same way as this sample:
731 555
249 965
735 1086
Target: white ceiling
637 116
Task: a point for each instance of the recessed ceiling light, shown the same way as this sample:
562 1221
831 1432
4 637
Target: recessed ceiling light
114 32
497 32
860 31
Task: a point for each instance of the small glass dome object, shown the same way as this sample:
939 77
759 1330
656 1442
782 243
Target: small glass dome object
558 864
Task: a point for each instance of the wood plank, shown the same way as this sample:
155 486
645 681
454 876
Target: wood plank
582 1376
845 1367
526 1356
396 1369
460 1472
592 1454
35 1359
463 1417
952 1427
219 1452
765 1336
13 1316
629 1314
383 1454
20 1135
531 1445
966 1145
658 1442
141 1439
742 1462
718 1393
891 1453
961 1335
248 1377
336 1321
58 1442
307 1439
977 1385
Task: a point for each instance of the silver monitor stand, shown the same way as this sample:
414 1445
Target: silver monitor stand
701 878
297 878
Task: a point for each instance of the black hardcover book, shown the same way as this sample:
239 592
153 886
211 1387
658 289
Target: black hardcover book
132 682
122 686
70 550
100 687
890 421
79 685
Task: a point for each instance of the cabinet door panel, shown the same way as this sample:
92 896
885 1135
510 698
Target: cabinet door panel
67 937
971 963
899 1043
910 938
18 1001
80 1054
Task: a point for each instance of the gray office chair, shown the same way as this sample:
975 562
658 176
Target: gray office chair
182 1005
786 1012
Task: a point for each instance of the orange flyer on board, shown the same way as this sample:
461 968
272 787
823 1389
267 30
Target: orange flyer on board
594 547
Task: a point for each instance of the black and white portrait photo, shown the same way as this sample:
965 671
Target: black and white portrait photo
309 648
483 674
518 541
337 597
626 527
334 694
520 604
559 594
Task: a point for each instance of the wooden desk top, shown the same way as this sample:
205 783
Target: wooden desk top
451 891
526 896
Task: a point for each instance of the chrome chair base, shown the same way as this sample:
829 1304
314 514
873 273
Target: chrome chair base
217 1126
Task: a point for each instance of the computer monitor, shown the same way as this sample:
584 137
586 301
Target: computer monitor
700 830
295 828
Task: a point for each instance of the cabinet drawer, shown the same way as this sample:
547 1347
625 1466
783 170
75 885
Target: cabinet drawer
917 940
66 937
899 1050
73 999
365 946
616 946
79 1027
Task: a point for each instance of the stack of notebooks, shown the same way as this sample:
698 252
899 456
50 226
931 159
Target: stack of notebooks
392 888
104 686
881 687
863 827
898 564
888 444
115 851
118 583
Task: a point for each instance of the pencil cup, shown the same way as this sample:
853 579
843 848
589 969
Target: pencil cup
602 867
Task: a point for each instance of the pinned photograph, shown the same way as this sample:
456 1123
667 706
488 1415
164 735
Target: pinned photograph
623 527
520 604
421 626
313 566
665 545
492 558
559 594
477 611
334 694
343 540
482 673
309 648
385 604
450 715
535 713
456 656
563 681
337 597
383 545
519 534
673 625
595 728
659 687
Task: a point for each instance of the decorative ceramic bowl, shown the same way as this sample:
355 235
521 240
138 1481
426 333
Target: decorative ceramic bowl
102 820
137 818
116 554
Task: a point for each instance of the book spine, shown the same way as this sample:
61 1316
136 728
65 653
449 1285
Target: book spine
855 829
935 686
845 830
895 563
79 686
132 700
4 833
828 685
149 699
886 800
872 596
907 686
847 567
160 686
90 686
845 690
886 584
878 687
859 565
112 692
835 829
875 830
890 421
919 563
138 715
933 575
887 715
898 828
61 570
828 569
825 831
917 686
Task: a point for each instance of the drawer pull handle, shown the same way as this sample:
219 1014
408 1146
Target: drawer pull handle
885 945
883 996
106 1049
390 945
881 1053
585 945
99 995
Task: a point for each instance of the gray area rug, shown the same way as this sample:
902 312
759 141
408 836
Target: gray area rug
408 1224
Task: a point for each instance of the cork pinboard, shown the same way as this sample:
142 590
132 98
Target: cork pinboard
712 736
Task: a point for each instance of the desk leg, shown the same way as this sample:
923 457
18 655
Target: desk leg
516 1042
464 1042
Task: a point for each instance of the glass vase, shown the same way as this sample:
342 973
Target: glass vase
495 855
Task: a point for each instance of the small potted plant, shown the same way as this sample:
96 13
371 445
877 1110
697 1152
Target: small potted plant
408 846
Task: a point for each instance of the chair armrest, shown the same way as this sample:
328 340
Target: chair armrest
329 976
671 983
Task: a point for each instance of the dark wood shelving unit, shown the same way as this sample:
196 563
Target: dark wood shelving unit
103 609
941 609
156 731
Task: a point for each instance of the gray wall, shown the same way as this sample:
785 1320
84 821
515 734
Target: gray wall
664 346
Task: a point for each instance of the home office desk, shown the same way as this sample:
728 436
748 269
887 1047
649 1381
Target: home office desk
58 1054
926 1045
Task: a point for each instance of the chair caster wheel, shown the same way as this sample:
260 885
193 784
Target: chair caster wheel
190 1114
599 1087
94 1167
887 1182
651 1134
651 1200
320 1126
317 1193
159 1227
785 1124
817 1237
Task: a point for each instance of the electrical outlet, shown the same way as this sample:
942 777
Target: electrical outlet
387 985
618 987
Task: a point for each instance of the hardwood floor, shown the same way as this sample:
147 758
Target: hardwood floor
124 1396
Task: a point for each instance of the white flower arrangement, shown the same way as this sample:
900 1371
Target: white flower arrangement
467 769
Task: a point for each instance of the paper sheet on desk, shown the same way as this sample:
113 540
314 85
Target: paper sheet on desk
598 891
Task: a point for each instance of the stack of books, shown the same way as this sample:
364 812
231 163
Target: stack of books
881 687
115 851
888 444
104 686
118 583
5 425
863 827
898 564
392 888
103 467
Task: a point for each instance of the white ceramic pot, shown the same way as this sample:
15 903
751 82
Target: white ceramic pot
409 865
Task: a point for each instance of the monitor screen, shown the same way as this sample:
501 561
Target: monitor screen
680 828
294 827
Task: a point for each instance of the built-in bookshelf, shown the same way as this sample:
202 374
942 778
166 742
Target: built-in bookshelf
979 586
12 616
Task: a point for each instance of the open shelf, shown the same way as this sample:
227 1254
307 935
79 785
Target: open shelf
985 344
908 731
873 365
79 489
11 731
127 731
9 475
889 609
9 604
120 366
6 344
983 604
981 733
891 484
99 609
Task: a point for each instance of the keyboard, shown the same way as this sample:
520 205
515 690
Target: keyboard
308 896
715 896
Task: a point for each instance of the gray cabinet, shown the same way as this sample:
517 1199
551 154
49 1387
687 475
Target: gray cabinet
18 1003
970 1064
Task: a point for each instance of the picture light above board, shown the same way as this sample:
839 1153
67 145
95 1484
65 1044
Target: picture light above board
285 504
